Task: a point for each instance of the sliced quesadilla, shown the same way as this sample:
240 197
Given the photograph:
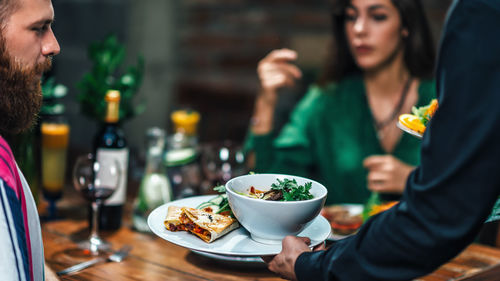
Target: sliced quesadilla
172 221
207 226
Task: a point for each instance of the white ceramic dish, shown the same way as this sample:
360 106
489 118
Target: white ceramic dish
408 130
248 262
270 221
235 243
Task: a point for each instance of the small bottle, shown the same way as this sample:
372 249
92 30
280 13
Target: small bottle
185 123
155 187
110 142
182 154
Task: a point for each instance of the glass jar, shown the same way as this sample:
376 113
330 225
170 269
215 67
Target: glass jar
155 188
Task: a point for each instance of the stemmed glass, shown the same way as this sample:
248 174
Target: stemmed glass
55 135
220 162
96 181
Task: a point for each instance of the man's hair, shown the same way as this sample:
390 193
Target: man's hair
7 7
419 47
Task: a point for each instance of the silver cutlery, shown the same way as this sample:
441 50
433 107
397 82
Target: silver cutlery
117 256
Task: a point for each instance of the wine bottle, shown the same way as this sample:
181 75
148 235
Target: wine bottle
110 142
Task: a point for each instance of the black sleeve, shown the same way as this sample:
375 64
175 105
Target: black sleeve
450 195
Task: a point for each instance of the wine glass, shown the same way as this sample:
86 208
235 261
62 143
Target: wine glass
96 181
220 161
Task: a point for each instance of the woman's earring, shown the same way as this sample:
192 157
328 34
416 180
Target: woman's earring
405 33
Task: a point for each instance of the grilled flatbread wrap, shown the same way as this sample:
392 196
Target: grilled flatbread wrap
207 226
173 220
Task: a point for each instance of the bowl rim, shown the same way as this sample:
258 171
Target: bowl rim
232 192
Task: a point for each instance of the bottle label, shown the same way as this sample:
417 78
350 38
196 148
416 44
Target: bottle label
121 155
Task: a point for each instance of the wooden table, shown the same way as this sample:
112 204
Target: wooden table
155 259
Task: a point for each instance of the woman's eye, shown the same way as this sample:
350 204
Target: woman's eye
379 17
350 17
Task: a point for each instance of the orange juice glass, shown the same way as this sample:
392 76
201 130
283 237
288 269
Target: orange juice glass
55 137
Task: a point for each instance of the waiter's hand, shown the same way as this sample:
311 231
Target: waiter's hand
386 173
283 264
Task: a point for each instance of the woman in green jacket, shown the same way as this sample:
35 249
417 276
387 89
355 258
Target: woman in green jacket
343 132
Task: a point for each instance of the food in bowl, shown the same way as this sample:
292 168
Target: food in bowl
270 221
208 226
283 190
342 220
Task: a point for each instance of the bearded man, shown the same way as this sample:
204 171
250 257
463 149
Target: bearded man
27 45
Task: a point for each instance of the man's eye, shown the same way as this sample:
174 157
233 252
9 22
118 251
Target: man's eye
40 29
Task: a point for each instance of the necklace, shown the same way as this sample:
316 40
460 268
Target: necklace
380 125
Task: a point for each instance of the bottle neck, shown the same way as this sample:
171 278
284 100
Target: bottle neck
113 112
154 161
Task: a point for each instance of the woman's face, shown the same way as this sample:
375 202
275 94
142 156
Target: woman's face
374 32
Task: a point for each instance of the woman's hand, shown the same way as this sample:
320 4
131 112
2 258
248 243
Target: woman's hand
386 173
276 70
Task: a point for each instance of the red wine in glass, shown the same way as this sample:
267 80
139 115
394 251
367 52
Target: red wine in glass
92 193
96 180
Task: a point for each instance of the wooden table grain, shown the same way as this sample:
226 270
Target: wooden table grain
153 258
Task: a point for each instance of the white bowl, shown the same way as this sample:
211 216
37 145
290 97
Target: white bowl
270 221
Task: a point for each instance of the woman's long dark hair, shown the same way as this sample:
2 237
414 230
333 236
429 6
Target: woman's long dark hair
419 52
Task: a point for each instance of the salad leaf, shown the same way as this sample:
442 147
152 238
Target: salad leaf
424 113
292 191
220 203
220 188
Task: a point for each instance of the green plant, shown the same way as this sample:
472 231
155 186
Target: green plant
52 93
107 56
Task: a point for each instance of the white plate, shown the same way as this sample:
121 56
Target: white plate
235 243
249 262
408 130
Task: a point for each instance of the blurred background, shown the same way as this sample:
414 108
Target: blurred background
170 55
200 54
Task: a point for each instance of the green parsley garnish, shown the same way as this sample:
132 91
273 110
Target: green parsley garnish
292 191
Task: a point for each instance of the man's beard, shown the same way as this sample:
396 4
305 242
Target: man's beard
20 93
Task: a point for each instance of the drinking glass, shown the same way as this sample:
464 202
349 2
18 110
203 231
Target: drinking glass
221 161
55 136
96 181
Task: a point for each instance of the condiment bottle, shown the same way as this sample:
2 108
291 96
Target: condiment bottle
182 154
155 188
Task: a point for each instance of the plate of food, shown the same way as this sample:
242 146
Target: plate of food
217 233
415 124
344 219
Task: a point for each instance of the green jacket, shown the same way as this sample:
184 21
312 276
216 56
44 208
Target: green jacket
328 135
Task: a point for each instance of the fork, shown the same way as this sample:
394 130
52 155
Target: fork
117 256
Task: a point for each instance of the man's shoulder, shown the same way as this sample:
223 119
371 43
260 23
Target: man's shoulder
8 168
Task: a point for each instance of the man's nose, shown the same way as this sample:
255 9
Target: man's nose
50 45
